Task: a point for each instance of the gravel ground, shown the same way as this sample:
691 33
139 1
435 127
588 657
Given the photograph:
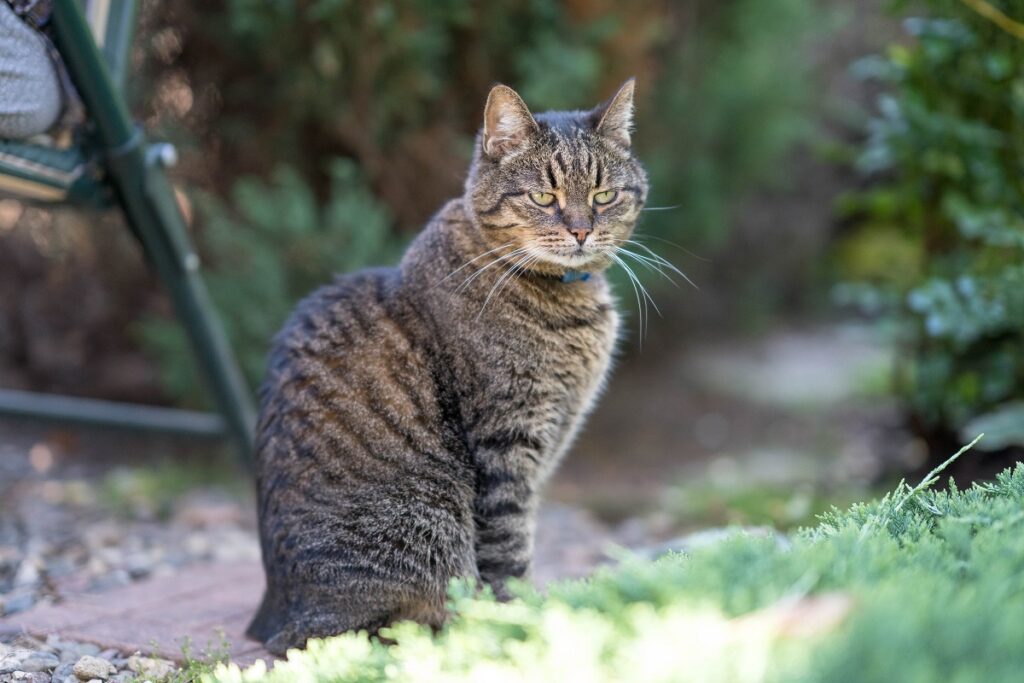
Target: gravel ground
68 527
66 536
57 661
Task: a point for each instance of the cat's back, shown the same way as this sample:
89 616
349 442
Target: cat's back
334 319
347 358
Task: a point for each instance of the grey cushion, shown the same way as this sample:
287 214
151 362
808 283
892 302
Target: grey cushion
30 91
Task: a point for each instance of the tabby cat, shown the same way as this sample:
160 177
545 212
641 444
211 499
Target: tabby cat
411 415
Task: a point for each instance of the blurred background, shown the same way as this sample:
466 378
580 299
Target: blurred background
841 181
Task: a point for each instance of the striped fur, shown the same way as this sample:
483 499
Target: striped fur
410 416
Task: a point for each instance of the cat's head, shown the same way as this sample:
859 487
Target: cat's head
562 187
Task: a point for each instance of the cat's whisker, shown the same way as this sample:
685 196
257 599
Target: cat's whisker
475 258
649 263
643 290
521 269
661 208
470 278
663 261
638 236
505 277
636 293
652 259
497 284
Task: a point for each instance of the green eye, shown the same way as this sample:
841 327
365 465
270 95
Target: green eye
542 198
606 197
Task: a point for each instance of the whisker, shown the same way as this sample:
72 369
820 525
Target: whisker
476 258
672 244
636 294
661 208
465 283
643 290
653 260
663 261
505 278
648 262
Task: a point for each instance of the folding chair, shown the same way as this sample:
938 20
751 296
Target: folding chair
112 164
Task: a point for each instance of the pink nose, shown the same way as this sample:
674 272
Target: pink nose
580 234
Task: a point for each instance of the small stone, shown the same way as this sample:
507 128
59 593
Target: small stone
72 652
151 667
17 600
28 661
34 677
93 668
65 670
28 573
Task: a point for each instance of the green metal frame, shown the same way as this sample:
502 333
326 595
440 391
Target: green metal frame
114 162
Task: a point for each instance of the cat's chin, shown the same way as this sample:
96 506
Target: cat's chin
580 261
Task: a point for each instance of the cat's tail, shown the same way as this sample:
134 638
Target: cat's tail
266 622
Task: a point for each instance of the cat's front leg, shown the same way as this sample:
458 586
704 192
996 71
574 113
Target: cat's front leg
505 508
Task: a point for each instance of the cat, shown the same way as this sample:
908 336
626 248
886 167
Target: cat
411 415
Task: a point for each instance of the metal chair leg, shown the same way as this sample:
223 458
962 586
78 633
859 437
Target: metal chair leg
135 171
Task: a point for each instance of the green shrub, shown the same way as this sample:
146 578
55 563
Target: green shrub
398 87
947 209
371 86
920 586
270 245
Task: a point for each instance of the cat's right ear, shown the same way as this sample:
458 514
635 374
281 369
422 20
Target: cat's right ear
508 123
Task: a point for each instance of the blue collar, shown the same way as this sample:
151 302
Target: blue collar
575 276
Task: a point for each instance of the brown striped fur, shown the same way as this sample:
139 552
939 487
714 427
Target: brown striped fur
410 416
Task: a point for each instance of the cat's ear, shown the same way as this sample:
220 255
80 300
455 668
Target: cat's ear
508 123
615 117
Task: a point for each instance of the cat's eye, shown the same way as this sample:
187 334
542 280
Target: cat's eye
542 198
606 197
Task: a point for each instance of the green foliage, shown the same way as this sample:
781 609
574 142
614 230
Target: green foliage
731 100
271 245
707 503
396 89
947 149
151 492
919 586
399 87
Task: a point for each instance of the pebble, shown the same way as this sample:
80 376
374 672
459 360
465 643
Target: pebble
18 600
90 668
64 671
72 652
34 677
151 667
28 661
75 548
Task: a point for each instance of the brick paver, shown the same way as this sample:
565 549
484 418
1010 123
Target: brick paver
210 605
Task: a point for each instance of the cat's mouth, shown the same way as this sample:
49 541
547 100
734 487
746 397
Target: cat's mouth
576 256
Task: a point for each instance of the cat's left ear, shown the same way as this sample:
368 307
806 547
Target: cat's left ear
508 123
615 117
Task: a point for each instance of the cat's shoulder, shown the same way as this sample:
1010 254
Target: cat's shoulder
453 215
348 296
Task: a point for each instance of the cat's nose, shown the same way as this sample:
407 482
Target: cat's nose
578 223
580 233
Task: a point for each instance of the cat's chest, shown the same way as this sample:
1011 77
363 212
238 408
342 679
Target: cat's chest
553 369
